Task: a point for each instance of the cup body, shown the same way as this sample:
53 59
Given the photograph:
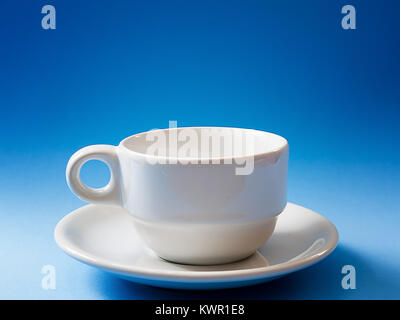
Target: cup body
201 212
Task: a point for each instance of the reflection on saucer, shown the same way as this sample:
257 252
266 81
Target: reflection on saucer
152 261
315 247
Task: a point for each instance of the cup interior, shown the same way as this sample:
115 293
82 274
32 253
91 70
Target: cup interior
204 143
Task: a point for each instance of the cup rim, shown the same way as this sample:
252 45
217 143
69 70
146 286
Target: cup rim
272 153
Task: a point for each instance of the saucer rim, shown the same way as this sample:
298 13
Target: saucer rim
189 275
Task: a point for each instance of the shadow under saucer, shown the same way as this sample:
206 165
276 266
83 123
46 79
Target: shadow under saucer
321 281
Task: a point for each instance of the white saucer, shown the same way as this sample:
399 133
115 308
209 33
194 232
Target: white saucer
104 237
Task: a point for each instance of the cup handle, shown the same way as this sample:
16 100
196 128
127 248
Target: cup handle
109 194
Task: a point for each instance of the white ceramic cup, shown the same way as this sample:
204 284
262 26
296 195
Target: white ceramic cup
193 209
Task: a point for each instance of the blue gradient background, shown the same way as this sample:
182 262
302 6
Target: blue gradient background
115 68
